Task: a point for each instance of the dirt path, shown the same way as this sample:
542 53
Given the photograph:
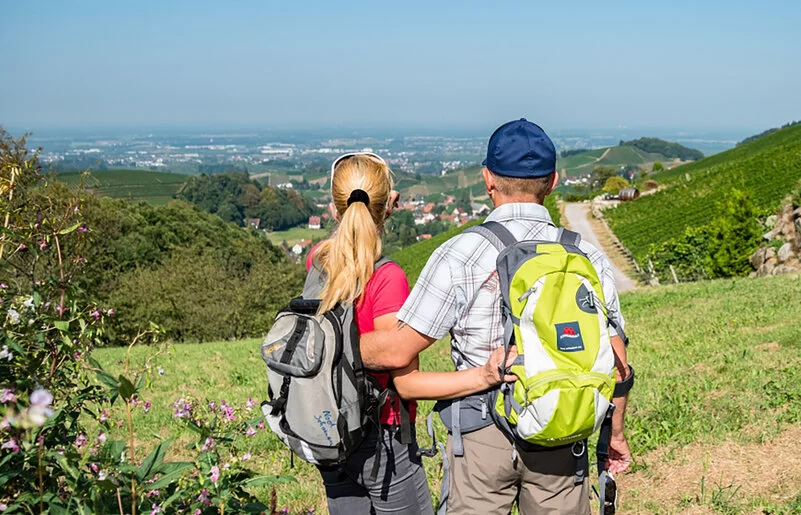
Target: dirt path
577 219
594 162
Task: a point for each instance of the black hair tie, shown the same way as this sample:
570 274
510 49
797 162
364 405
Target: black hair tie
359 196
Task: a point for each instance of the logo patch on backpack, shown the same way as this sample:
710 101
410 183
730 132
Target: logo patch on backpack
568 337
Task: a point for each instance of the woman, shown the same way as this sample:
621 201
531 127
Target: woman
361 188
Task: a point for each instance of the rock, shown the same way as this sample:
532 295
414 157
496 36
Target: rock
788 230
783 269
770 253
770 234
758 259
770 221
797 213
766 268
785 252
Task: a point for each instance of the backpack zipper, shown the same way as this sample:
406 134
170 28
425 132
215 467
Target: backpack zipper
563 375
528 293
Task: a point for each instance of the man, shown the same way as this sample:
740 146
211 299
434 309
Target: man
458 293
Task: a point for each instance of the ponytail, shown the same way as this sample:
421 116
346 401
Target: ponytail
349 257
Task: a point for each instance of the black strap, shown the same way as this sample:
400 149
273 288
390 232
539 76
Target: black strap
602 455
623 387
568 237
279 404
495 233
382 400
405 421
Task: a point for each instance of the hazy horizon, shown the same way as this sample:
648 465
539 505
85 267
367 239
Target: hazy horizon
411 67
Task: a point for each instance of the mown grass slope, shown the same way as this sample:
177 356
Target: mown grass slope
767 169
154 187
718 363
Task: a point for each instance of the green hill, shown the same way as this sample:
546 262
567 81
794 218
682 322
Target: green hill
154 187
642 152
766 169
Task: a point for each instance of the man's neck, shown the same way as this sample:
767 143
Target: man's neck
499 200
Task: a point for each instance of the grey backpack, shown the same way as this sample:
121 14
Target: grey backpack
322 399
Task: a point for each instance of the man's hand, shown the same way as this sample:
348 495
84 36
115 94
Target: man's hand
490 371
619 455
394 199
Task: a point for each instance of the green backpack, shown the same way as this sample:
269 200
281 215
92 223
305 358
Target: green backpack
554 312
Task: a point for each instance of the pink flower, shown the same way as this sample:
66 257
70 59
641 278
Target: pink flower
161 371
103 416
11 445
8 396
94 468
247 456
182 409
134 401
110 312
42 245
101 437
250 404
204 497
153 493
250 431
80 440
120 422
260 425
215 474
212 406
198 512
4 286
208 445
156 509
146 407
83 228
61 309
96 314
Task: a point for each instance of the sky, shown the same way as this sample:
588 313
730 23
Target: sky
416 64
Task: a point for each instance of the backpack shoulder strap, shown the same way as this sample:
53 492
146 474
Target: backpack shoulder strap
568 237
495 233
383 260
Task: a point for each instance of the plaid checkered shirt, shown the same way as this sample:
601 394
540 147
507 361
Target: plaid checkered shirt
458 290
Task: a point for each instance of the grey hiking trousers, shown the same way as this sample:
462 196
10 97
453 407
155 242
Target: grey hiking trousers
399 488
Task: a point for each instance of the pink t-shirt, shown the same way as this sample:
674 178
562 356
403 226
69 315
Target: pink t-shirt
385 293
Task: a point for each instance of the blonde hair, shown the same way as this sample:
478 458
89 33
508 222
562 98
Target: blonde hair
348 257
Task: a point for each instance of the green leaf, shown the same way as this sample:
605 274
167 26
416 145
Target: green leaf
153 461
267 480
127 389
172 466
255 507
108 380
167 479
68 230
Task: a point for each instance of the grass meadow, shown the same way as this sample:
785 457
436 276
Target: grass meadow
157 188
713 420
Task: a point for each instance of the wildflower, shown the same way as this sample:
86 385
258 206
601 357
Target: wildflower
260 425
250 404
101 437
146 407
94 468
134 401
284 511
96 314
197 512
83 228
161 371
42 245
120 422
80 259
10 445
212 406
76 210
8 395
13 316
156 509
153 493
204 497
102 475
250 431
103 416
3 286
22 248
247 456
60 309
5 353
80 440
39 410
78 356
183 409
215 474
229 413
28 303
110 312
208 445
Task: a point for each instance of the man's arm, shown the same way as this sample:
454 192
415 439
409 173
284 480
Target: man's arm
619 453
396 347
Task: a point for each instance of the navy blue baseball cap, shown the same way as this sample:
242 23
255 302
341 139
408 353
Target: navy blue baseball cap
520 149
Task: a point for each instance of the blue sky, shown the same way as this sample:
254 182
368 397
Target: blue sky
681 64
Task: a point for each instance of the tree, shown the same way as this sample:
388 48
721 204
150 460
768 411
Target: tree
600 174
615 184
658 167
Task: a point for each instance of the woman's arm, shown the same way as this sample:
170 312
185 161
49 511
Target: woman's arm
412 384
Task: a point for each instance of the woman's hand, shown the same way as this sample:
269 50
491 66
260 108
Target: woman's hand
491 371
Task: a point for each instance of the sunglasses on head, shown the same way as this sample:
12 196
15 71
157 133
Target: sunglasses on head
352 154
